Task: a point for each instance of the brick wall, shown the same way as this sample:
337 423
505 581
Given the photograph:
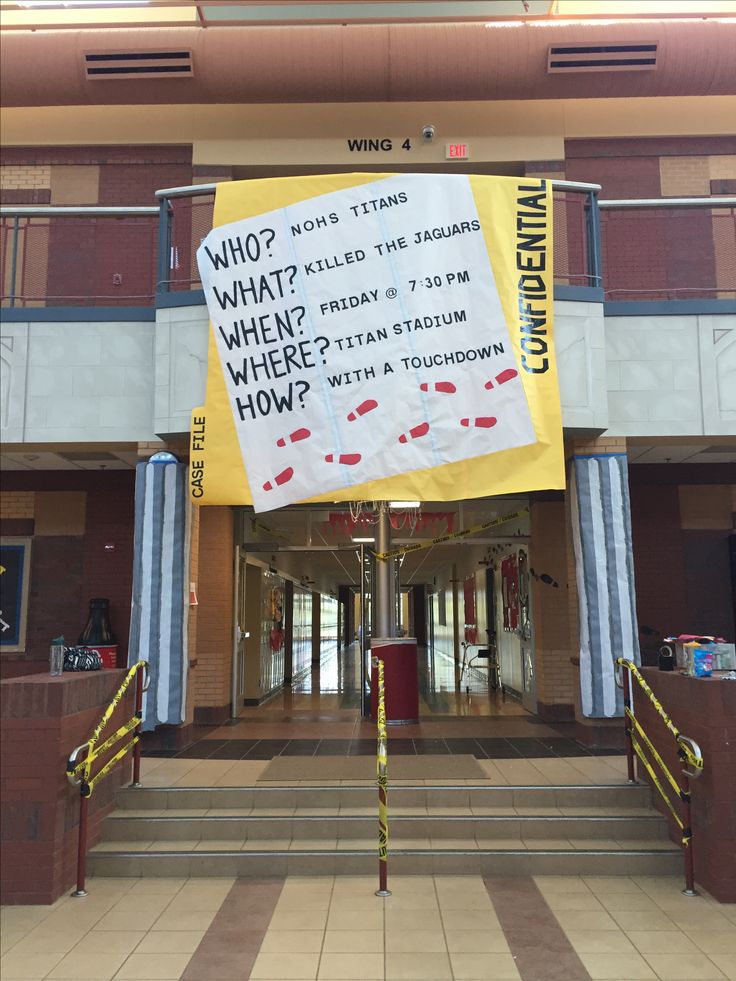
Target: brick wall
16 504
553 643
670 250
214 636
91 260
69 569
681 563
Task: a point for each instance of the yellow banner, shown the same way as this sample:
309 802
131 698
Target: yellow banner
515 217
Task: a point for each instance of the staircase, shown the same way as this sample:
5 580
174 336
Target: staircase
333 830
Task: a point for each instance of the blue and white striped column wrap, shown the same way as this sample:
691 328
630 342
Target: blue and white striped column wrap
159 607
601 526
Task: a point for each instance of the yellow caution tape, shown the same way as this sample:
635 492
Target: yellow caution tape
109 765
684 750
115 701
687 833
663 766
84 767
484 526
382 768
99 750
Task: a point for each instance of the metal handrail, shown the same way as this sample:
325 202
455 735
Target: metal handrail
687 749
196 190
712 202
50 211
79 771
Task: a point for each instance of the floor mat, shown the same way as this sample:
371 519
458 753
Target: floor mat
446 767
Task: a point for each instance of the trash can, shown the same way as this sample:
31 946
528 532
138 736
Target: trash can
399 656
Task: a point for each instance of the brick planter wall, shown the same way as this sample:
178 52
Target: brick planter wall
43 720
705 710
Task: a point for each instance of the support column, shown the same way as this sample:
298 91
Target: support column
288 631
158 611
604 570
456 626
316 629
385 612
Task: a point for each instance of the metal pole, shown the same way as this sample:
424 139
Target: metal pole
364 708
163 265
456 626
14 259
384 614
595 271
82 846
235 659
382 770
627 725
687 834
139 713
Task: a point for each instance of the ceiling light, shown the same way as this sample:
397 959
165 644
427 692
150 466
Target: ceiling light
82 3
363 539
403 504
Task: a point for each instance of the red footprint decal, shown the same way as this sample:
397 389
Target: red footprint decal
446 387
350 459
481 422
281 478
294 437
504 376
421 430
368 406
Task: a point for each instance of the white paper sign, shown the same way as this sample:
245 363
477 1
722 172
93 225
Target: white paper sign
361 336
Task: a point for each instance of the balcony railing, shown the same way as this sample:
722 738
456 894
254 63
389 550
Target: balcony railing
78 257
626 250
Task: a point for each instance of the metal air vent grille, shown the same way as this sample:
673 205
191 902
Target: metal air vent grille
139 64
602 57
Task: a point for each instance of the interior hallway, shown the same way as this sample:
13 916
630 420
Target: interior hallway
319 715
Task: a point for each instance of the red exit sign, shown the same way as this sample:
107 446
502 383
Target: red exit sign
457 151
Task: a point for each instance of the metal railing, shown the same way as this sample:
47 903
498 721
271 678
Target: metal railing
187 213
688 752
79 771
669 248
77 256
632 249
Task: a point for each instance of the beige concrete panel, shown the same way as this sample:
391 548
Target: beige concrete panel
722 167
75 185
541 125
60 512
724 252
684 176
665 116
706 506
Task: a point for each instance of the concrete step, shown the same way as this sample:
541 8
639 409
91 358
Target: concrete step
261 825
332 829
333 797
647 858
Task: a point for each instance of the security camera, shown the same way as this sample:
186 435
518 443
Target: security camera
428 133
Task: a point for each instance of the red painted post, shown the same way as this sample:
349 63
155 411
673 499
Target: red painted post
687 834
628 724
139 713
82 846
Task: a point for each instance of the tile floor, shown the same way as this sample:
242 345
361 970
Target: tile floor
440 928
576 770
